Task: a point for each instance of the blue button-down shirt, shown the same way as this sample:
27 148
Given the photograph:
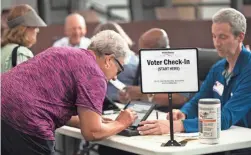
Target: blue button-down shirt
235 98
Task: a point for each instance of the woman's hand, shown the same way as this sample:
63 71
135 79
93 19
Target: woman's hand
177 115
126 117
94 127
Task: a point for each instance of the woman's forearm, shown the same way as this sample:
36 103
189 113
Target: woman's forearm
74 122
94 128
108 129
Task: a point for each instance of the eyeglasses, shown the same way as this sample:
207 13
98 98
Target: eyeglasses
120 66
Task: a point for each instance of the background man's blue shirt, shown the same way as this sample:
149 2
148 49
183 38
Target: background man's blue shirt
127 76
236 97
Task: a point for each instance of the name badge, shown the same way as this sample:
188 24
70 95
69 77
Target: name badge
218 88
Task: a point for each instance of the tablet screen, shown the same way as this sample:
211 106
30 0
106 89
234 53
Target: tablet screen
143 109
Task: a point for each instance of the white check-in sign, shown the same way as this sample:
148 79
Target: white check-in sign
169 70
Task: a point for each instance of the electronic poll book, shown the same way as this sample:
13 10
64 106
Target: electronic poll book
143 110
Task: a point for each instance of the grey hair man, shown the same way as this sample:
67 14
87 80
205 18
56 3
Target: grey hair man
228 80
75 84
75 31
236 21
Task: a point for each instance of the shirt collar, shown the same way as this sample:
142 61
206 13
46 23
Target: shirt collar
240 63
78 45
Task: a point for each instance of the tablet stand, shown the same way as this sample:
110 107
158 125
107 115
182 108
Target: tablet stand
171 142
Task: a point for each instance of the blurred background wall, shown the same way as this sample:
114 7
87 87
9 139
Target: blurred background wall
54 11
182 19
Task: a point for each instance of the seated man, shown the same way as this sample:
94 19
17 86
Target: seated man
153 38
233 73
75 30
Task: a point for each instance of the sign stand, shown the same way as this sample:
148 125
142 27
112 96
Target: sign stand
172 70
171 142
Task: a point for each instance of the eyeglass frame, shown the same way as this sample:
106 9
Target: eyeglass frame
119 64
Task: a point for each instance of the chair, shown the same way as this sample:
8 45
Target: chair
207 58
246 10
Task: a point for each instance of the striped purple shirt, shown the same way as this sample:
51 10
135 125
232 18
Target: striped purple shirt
43 93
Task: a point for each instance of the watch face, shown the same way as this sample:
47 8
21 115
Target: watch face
150 97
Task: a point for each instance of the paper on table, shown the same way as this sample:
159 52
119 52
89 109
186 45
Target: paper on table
187 135
118 84
160 138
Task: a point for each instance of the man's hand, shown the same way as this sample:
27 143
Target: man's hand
127 117
177 115
154 127
159 127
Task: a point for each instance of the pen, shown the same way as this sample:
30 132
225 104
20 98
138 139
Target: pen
157 115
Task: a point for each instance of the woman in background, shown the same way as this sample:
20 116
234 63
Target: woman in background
23 23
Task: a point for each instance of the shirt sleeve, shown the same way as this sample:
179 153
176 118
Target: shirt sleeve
23 55
233 111
191 125
61 42
56 44
191 107
91 90
240 102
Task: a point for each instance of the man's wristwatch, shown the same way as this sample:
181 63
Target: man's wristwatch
150 97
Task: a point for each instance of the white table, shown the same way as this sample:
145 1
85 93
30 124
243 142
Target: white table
231 139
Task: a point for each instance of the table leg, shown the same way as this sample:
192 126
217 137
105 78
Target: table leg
64 146
227 153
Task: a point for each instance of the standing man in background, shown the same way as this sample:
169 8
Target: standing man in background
75 31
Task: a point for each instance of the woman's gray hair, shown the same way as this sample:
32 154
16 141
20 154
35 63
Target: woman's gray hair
109 42
233 17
